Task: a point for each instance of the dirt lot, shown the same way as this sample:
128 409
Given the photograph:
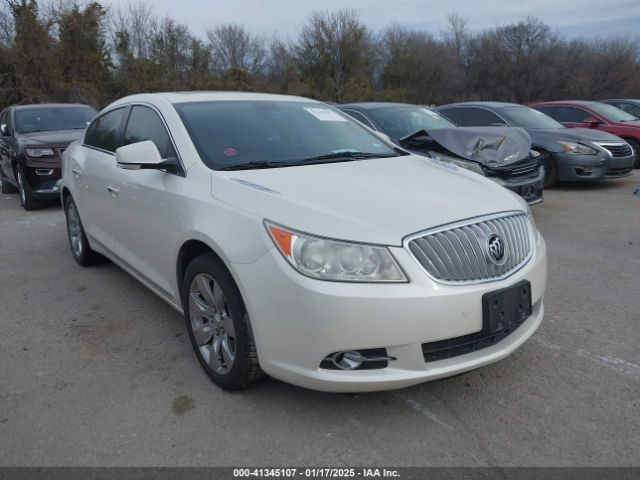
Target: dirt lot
96 370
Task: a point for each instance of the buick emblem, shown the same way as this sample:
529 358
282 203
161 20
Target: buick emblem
496 249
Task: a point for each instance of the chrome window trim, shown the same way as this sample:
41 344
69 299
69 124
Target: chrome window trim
467 222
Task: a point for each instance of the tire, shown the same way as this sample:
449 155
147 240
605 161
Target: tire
550 170
6 187
636 150
78 242
26 195
215 315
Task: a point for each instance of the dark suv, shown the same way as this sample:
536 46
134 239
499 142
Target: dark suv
32 139
571 154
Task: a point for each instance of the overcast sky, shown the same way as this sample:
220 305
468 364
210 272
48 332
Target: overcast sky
573 18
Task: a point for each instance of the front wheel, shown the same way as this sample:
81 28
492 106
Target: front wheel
80 249
26 195
550 170
218 324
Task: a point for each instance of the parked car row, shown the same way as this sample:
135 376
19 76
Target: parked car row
500 153
570 154
607 149
333 254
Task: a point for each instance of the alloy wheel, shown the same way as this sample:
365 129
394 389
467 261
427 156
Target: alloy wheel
212 324
21 188
74 229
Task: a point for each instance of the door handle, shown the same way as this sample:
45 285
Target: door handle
113 190
76 172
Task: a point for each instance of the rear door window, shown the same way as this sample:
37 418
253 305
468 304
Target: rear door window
479 117
456 115
569 114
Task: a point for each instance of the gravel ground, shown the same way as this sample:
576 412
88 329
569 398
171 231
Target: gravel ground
95 370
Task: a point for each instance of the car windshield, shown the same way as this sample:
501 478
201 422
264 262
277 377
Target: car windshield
43 119
398 122
526 117
612 113
264 134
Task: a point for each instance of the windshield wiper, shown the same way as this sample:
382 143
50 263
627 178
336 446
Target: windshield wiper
329 157
255 165
345 156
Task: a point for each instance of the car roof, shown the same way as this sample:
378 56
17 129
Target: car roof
376 105
584 103
497 105
49 105
210 96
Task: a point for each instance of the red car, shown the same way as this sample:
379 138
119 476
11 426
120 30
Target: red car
596 115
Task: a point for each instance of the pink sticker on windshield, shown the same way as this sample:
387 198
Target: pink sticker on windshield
230 152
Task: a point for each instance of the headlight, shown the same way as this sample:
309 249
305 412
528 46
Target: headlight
572 147
40 152
473 166
534 153
335 260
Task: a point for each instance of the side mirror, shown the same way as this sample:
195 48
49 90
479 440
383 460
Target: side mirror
4 130
145 156
592 122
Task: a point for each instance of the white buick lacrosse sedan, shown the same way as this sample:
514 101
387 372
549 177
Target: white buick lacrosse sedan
298 243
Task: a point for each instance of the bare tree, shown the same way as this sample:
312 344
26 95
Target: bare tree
7 28
335 55
412 65
234 49
280 67
132 29
457 40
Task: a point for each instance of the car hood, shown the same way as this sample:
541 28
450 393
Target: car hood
490 146
53 138
375 201
548 138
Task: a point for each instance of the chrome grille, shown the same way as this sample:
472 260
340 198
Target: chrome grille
459 253
617 149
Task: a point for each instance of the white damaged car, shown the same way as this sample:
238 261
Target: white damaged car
298 243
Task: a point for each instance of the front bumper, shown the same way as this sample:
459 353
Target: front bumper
298 321
43 176
576 168
530 188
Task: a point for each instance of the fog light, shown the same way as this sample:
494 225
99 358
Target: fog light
347 360
368 359
584 171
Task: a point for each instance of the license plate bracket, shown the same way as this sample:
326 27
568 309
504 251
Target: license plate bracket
506 309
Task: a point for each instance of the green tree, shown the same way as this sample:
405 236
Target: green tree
34 72
82 52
